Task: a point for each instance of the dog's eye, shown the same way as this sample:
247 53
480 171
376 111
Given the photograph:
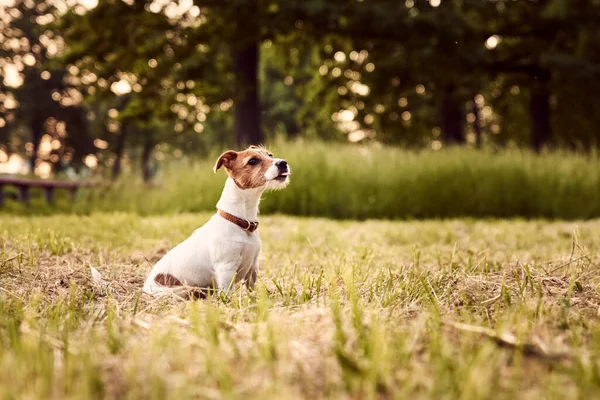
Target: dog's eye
270 155
253 161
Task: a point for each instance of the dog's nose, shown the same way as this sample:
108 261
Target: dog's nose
281 164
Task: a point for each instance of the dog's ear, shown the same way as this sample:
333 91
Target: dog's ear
225 159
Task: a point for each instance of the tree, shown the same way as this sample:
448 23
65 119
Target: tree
548 47
183 55
47 104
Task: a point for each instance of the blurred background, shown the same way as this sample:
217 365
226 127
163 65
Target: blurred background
384 108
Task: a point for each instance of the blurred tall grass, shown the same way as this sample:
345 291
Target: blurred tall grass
349 182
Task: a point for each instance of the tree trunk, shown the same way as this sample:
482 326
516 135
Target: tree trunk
451 116
37 127
119 150
245 55
146 153
476 126
4 136
539 107
121 139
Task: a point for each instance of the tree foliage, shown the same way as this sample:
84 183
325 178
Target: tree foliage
191 75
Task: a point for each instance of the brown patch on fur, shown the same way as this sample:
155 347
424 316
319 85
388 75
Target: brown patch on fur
167 280
245 175
225 160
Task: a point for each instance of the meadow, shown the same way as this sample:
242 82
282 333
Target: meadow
362 182
440 309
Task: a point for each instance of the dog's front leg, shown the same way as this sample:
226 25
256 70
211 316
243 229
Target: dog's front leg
225 276
250 278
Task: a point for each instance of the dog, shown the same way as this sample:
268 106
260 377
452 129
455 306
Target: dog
225 250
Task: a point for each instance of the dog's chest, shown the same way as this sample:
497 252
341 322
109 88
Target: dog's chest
249 253
230 245
243 254
237 245
250 249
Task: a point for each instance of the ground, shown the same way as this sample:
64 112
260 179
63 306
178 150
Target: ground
375 309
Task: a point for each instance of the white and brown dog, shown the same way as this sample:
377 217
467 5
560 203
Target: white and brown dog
224 250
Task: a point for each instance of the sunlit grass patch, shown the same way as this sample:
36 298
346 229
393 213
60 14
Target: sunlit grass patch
432 309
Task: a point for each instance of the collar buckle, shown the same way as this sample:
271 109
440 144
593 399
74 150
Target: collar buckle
252 226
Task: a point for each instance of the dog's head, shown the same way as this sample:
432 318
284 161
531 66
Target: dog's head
255 167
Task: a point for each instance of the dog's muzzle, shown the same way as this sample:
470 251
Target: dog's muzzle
283 169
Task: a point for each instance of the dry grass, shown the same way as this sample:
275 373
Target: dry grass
375 309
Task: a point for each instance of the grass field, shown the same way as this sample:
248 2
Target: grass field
359 182
431 309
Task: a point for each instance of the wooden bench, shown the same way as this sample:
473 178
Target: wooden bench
24 184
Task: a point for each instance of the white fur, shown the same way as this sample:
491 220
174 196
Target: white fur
273 171
220 252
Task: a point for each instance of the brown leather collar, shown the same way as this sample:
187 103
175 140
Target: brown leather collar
246 225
